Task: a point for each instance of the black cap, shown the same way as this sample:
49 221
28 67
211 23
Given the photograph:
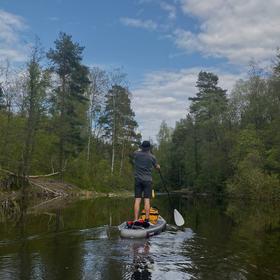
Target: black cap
146 145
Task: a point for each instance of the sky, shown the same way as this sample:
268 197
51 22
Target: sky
161 44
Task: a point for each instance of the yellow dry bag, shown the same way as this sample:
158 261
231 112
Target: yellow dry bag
153 217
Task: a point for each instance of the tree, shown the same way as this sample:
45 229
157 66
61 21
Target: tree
8 141
208 110
276 66
163 148
210 103
69 102
119 125
2 98
96 93
36 85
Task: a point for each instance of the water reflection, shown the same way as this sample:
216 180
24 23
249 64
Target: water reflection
79 240
142 261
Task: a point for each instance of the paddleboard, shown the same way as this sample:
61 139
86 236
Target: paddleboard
141 232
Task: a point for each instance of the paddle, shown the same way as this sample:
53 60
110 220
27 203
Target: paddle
179 220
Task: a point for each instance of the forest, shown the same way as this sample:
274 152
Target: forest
61 117
229 142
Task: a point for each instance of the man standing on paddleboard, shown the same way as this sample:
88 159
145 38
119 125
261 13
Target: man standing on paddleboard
144 162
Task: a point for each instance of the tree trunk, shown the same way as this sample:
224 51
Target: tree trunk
5 154
89 136
196 151
113 135
122 157
28 147
90 127
113 159
61 141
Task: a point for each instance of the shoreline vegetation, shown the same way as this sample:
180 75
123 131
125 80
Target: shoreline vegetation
228 143
51 189
61 118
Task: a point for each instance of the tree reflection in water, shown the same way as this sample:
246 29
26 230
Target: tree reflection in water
73 240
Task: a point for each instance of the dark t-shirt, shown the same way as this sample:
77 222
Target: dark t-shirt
143 165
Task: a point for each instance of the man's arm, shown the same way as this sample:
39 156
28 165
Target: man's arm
132 157
155 164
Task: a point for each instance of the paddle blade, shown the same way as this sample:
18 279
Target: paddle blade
179 220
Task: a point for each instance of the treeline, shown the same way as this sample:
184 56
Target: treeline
228 143
59 116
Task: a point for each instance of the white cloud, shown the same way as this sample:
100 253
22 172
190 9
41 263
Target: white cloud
238 30
13 55
139 23
169 8
163 95
10 27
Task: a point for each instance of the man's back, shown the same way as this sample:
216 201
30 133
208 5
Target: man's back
144 162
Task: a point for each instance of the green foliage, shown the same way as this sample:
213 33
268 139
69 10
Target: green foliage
119 125
53 119
11 141
247 141
198 143
97 176
44 159
118 119
80 122
251 181
36 86
229 144
69 102
272 159
163 151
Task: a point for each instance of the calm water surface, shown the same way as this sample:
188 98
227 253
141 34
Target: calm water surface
80 240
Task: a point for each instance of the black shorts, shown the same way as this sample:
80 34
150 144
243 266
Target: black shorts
143 187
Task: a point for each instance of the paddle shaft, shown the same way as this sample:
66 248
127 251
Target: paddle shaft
179 220
163 183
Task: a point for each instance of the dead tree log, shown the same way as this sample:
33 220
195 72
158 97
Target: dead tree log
32 180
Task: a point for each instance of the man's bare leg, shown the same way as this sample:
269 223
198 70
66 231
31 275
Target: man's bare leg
136 208
147 207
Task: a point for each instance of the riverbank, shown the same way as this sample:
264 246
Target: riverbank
53 189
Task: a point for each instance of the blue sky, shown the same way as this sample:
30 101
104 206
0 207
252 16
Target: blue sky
161 45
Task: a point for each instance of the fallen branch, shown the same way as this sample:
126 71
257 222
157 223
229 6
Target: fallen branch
31 176
45 202
45 188
9 172
46 175
32 180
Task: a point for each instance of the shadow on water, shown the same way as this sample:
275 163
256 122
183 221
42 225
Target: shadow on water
80 240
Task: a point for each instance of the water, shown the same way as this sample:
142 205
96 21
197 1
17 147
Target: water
80 240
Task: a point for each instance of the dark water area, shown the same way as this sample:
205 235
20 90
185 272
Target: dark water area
80 240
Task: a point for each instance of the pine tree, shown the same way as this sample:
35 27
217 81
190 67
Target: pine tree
36 85
69 102
210 102
208 110
118 121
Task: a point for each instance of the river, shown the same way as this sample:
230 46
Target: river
80 240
